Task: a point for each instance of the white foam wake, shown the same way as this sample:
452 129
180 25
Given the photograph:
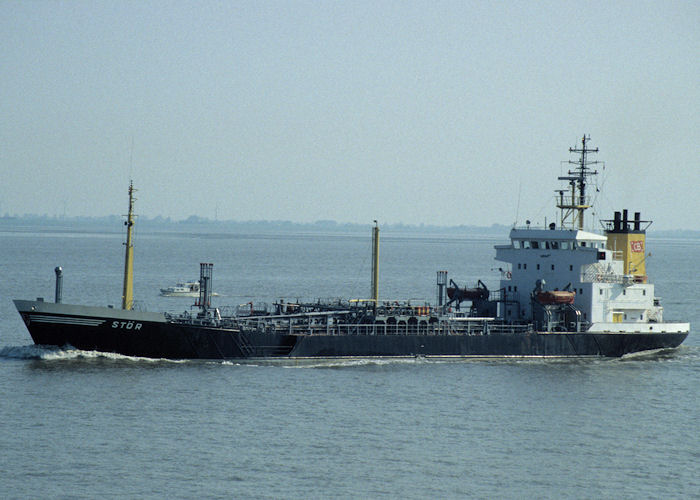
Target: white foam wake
68 353
352 362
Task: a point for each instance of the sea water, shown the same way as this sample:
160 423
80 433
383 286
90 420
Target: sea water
77 424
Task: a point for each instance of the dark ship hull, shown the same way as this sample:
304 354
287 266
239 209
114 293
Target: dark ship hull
153 335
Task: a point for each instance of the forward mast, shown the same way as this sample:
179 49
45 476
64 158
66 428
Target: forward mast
128 290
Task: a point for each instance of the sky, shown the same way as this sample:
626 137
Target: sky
441 113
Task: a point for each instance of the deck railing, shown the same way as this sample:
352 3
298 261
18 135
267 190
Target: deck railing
484 326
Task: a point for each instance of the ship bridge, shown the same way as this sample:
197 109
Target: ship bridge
572 260
553 257
554 239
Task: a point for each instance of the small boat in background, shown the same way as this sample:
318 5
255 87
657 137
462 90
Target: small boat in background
186 289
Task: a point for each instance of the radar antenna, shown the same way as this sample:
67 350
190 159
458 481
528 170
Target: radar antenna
575 203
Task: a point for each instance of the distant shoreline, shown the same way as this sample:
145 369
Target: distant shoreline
194 224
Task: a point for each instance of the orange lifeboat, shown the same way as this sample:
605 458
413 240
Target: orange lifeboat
555 297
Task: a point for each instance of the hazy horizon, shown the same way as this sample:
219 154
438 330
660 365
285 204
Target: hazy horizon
195 224
440 113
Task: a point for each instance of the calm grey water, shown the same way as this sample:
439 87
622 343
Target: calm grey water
83 425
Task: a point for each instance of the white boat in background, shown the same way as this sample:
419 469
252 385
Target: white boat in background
185 289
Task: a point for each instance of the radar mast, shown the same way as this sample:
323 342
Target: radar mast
574 203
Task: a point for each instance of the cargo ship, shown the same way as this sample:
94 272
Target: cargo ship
563 292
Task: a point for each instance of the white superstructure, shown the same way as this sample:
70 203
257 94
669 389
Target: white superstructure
580 262
606 273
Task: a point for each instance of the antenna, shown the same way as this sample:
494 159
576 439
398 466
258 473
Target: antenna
131 158
574 204
517 207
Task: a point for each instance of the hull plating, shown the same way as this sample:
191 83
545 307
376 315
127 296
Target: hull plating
150 335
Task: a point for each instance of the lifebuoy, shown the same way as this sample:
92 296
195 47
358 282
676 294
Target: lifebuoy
508 275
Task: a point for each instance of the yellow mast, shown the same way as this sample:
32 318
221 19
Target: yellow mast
375 263
128 291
